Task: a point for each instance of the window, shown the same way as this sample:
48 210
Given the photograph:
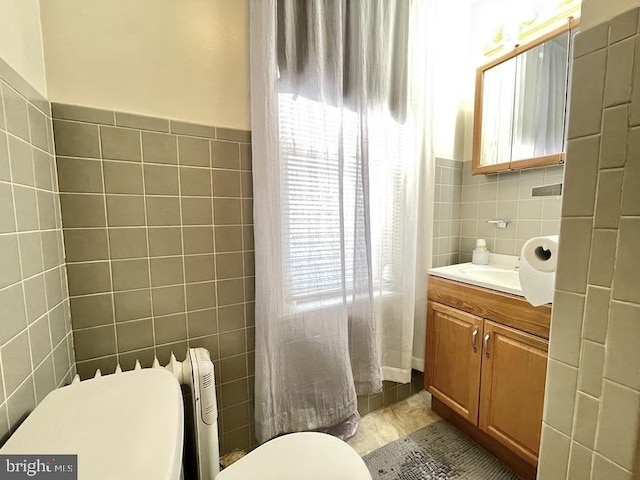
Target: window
310 145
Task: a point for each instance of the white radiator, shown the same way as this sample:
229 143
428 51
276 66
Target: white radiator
196 372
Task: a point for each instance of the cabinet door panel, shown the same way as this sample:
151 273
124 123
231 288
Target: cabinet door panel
453 365
512 394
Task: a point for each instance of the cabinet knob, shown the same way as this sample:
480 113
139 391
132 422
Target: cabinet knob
474 339
485 344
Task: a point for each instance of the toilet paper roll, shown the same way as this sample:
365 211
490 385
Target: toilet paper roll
538 262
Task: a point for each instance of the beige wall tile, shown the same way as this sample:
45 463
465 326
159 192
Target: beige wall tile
631 188
122 177
226 183
587 91
230 292
195 182
201 296
132 305
627 261
196 130
30 253
16 354
91 310
566 326
603 252
586 420
581 177
34 291
198 240
618 431
225 154
130 274
613 144
172 328
227 211
21 162
134 335
86 244
125 210
95 342
573 260
128 242
79 175
591 368
623 339
26 206
168 300
193 151
202 322
159 148
591 40
197 211
579 462
82 114
606 470
163 211
608 199
74 139
120 144
199 268
161 180
165 241
87 278
623 26
231 318
166 271
15 109
619 70
142 122
596 313
560 396
554 449
23 401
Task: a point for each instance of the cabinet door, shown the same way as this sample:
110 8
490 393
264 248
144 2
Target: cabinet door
453 359
513 377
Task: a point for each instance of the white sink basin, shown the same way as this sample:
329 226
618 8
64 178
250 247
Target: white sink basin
501 274
492 274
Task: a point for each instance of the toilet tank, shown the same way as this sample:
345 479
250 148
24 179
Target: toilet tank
127 426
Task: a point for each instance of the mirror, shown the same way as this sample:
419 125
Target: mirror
521 106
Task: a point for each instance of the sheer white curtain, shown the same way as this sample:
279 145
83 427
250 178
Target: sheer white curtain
338 139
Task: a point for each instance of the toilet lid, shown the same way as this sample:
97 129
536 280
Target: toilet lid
307 455
127 426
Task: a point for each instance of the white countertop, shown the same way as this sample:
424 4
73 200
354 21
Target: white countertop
501 274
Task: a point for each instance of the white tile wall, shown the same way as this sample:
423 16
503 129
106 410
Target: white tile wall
591 427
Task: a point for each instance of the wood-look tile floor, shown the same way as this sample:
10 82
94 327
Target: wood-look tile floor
393 422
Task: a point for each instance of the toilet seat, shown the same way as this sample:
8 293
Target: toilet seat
306 455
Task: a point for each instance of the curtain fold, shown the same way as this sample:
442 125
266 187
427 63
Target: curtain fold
337 144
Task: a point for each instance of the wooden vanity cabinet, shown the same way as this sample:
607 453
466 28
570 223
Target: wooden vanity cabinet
454 339
486 362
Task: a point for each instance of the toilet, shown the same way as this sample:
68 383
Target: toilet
119 434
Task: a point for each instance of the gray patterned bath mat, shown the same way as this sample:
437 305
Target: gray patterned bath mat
437 452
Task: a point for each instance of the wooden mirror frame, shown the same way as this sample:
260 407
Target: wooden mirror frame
476 167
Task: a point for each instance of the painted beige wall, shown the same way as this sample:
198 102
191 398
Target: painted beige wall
187 60
598 11
21 40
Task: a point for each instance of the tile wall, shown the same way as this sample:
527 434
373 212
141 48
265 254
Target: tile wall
36 350
507 196
591 419
446 213
157 219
